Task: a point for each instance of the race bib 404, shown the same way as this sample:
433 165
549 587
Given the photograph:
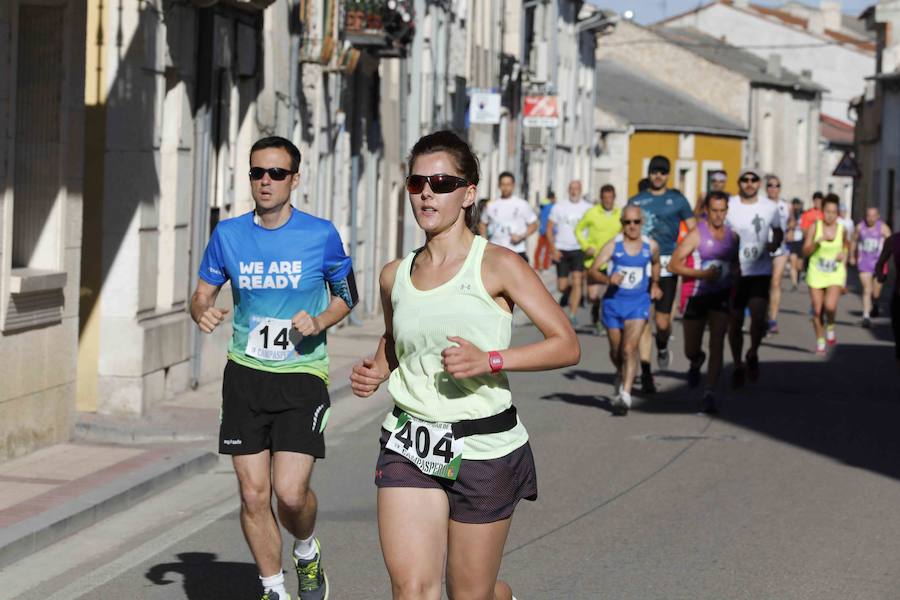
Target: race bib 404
429 446
272 339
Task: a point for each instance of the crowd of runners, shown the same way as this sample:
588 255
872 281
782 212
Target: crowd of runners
454 457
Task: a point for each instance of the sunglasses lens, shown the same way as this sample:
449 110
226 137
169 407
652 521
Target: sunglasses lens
415 184
275 173
442 184
749 179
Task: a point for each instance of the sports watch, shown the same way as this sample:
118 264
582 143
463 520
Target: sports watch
496 362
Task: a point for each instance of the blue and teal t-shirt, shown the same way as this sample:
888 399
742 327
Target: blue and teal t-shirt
662 216
274 274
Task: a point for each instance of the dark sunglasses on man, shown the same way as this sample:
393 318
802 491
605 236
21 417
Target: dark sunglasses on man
439 184
748 179
631 221
773 185
275 173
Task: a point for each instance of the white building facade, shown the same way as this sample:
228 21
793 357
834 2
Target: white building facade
41 183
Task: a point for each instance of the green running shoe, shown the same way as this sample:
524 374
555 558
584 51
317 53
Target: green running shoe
313 581
272 595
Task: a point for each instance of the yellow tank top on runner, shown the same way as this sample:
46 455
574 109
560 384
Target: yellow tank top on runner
422 322
825 270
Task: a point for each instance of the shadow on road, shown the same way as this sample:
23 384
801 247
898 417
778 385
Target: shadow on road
205 578
601 402
846 406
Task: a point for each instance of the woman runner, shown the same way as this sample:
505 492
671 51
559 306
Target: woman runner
455 459
827 246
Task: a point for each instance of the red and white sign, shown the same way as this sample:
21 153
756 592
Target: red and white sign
540 111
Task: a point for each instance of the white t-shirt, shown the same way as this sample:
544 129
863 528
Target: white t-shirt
753 222
506 217
565 215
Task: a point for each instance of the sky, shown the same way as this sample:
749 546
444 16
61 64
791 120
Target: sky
651 11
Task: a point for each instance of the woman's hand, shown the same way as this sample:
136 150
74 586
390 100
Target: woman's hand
464 359
365 378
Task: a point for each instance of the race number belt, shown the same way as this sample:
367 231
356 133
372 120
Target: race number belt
436 448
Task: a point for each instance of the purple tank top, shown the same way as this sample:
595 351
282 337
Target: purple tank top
722 253
869 246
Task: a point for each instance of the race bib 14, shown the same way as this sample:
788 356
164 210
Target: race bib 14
272 339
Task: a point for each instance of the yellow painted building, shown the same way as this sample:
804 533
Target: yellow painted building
640 117
693 158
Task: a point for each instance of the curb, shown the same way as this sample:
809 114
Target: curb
39 531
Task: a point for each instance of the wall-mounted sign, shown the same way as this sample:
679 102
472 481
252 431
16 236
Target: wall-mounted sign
540 111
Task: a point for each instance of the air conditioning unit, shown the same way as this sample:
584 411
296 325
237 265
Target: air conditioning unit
535 137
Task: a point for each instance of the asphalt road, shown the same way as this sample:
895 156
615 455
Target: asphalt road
790 492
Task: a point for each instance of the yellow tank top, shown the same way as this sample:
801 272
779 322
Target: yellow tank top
824 268
422 322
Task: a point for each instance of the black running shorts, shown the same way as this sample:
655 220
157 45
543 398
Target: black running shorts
272 411
699 307
749 287
485 491
668 285
570 261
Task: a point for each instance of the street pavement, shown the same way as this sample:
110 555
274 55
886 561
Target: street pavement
789 492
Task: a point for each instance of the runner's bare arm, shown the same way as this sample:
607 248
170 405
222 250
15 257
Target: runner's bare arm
596 274
308 324
371 372
883 258
854 240
885 231
809 244
655 270
691 223
510 281
678 263
203 309
551 239
777 238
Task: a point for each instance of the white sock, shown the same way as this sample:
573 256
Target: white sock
305 549
626 398
274 583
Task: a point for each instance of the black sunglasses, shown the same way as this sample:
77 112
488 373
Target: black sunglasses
275 173
631 221
774 185
439 184
749 179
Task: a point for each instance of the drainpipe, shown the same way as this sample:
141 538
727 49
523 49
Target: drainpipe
200 218
520 133
554 80
414 124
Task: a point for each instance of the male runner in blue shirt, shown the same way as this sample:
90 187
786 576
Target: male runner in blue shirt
290 281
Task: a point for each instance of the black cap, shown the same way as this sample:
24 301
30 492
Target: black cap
659 163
